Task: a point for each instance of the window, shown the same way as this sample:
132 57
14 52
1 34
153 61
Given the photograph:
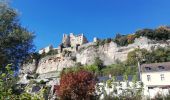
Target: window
161 67
147 68
149 78
162 77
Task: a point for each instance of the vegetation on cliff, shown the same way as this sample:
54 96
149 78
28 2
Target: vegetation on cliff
159 34
144 56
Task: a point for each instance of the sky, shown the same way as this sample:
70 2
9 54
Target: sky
49 19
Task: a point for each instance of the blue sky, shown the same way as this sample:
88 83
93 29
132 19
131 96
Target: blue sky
49 19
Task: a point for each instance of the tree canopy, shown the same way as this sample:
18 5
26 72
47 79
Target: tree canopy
143 56
16 42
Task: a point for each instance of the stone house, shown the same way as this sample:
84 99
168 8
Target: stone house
155 78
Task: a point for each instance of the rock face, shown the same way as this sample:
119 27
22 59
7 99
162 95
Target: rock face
86 53
110 52
28 68
54 63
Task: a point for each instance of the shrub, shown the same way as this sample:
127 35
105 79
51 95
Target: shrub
161 33
42 82
99 63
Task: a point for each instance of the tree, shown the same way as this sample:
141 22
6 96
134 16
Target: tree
121 40
161 33
16 42
92 68
98 62
78 85
136 55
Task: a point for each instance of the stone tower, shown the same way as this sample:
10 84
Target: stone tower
73 40
66 40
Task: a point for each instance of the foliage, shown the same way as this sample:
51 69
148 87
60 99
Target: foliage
114 69
92 68
42 82
118 69
120 40
161 33
79 85
136 55
27 96
131 38
8 88
144 56
124 40
103 41
7 83
110 97
16 42
99 63
51 52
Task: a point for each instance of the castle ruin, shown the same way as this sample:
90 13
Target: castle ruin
70 42
73 40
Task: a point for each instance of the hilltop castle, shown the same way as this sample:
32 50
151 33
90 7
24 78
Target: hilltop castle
73 40
70 42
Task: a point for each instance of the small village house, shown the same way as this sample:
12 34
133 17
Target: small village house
155 78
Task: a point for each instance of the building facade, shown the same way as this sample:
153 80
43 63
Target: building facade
155 78
46 49
73 40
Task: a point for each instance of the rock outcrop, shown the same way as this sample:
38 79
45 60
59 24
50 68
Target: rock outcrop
54 63
109 53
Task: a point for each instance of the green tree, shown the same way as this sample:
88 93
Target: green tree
16 42
92 68
136 55
98 62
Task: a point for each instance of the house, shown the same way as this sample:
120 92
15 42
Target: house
156 78
46 49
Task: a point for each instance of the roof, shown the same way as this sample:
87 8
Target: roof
155 67
117 78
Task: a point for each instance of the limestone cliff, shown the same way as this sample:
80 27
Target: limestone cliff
109 53
86 53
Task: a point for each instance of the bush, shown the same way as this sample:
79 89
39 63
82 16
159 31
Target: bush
161 33
99 63
42 82
118 69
